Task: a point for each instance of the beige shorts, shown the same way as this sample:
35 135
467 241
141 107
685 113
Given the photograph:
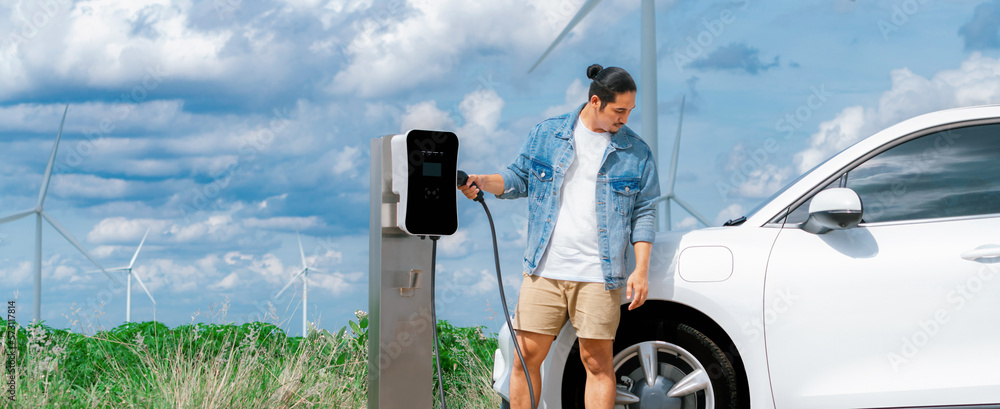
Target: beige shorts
544 305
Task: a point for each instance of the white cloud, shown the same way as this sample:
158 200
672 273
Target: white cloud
764 181
234 257
124 230
687 223
421 43
283 223
426 115
106 43
455 244
730 212
167 274
88 186
336 283
975 82
347 162
226 283
576 94
15 275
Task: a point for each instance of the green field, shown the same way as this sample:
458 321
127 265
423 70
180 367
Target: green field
254 365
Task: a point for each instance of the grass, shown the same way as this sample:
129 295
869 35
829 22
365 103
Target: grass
254 365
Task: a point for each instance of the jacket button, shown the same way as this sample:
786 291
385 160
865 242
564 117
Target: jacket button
626 189
543 174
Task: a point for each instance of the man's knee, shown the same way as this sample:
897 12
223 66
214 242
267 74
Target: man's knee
597 356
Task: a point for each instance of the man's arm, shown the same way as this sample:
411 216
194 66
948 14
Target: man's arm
638 281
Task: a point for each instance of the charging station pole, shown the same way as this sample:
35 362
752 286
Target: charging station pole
399 299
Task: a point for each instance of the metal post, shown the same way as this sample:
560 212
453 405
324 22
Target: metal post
400 371
128 298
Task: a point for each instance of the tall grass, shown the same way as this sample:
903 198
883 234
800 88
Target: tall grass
254 365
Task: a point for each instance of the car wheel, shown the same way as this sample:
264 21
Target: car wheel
663 365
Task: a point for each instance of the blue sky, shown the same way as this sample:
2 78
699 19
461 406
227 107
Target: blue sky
224 126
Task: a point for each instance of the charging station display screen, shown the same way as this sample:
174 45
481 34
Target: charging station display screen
432 169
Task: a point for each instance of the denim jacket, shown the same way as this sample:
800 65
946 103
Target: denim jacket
627 185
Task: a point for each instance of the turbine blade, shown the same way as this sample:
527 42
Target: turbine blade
677 147
52 161
691 210
17 216
144 287
316 270
586 8
289 283
137 250
301 251
69 237
125 269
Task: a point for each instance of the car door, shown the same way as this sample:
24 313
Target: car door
903 310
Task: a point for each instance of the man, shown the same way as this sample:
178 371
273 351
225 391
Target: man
591 182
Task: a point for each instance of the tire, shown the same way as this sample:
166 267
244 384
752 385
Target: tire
680 350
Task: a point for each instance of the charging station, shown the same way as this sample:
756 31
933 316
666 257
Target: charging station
413 194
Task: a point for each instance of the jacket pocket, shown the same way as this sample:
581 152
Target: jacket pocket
541 179
624 192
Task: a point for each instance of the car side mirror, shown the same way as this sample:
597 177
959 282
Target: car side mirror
833 209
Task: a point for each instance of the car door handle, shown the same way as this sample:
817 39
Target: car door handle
988 251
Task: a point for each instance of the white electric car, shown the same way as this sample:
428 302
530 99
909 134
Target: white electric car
871 281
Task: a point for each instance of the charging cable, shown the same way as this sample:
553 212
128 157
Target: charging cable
462 178
437 346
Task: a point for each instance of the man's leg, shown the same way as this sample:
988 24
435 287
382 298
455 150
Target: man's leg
597 358
534 347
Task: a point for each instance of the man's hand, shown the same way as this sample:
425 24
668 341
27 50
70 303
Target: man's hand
471 191
638 288
487 183
638 282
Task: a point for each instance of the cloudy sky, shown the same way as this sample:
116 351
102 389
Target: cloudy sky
225 126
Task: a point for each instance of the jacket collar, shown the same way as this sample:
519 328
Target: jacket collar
619 140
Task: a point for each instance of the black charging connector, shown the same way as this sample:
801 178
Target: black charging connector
462 180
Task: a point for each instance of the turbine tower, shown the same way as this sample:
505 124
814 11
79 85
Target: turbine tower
128 287
304 273
673 178
40 214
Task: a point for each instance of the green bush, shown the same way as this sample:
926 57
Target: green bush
253 365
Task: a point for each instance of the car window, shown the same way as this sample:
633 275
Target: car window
944 174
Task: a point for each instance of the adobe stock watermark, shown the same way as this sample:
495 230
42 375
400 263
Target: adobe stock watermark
561 15
957 299
782 301
711 31
901 13
29 26
10 342
788 124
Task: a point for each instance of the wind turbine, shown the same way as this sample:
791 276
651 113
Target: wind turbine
304 273
40 214
128 287
673 178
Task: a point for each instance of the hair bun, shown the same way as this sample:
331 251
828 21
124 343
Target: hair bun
593 70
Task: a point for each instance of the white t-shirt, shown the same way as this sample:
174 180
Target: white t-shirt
573 253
